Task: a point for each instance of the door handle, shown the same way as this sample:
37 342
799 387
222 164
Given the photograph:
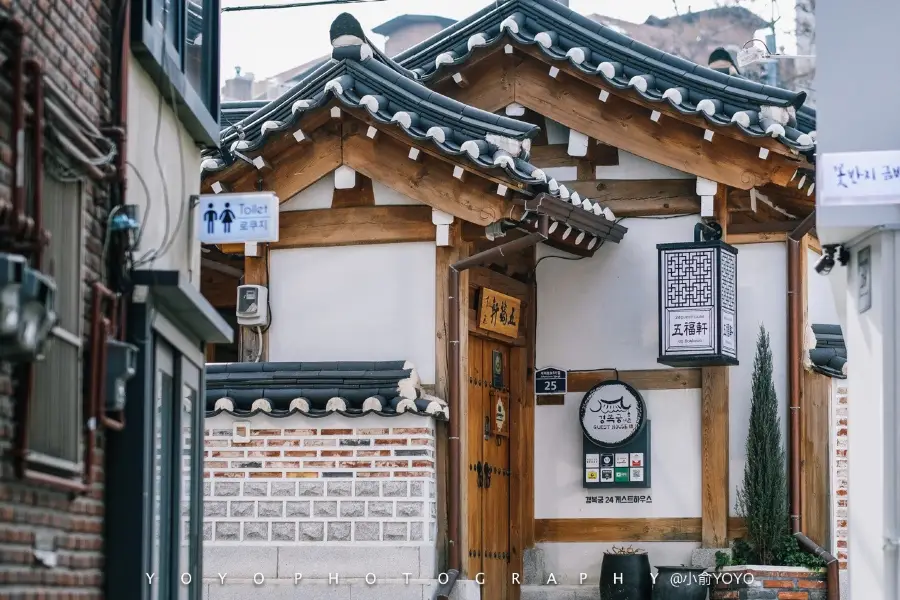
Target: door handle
479 470
487 428
487 475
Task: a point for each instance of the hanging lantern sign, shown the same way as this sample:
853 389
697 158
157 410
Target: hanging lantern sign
697 304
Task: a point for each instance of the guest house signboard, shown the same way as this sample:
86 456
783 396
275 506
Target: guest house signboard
616 433
697 304
499 313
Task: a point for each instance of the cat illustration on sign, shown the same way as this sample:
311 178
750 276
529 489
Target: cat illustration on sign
611 406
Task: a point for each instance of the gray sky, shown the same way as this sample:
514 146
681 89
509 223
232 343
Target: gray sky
267 42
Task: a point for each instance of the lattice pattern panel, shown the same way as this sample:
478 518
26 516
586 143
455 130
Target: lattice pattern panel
689 279
729 282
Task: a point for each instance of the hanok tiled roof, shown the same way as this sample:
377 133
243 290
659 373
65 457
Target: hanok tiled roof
564 35
360 76
829 357
351 389
235 112
400 21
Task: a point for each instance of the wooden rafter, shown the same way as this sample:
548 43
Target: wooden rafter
635 198
354 226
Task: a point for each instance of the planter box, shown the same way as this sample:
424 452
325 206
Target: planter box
753 582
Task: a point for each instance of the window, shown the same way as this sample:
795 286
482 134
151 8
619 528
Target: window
54 440
177 42
176 487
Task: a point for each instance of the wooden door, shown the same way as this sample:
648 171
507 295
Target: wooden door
489 470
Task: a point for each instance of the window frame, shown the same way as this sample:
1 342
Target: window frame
39 465
165 63
183 351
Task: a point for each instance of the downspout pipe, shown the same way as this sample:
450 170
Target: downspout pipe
455 464
795 327
832 575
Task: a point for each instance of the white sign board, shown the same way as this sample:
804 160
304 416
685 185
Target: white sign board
857 178
611 414
238 218
750 55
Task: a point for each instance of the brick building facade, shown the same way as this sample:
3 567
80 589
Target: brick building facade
71 41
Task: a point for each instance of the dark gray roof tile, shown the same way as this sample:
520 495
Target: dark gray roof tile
829 357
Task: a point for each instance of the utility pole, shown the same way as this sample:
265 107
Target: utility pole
858 219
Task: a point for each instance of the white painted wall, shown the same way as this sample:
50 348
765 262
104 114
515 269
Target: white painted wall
602 312
354 303
170 181
821 305
634 167
316 196
385 196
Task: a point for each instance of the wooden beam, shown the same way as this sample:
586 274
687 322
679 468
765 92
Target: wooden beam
256 272
652 379
815 245
665 529
278 151
767 227
360 195
815 471
557 155
755 238
354 226
698 122
573 102
429 180
720 209
234 249
482 277
641 197
491 81
714 457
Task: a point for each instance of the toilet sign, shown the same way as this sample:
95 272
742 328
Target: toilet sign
237 218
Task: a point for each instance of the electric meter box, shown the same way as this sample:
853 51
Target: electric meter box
252 305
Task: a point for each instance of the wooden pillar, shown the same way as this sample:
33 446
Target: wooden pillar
720 206
714 448
444 257
256 272
815 433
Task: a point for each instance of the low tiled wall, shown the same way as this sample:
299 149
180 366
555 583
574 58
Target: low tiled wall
767 583
331 480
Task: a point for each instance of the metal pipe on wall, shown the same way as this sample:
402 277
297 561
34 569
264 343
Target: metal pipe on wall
455 464
17 131
832 575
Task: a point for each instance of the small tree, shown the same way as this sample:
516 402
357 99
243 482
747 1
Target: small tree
762 499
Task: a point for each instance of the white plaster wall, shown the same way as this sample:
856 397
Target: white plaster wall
170 181
602 312
371 302
634 167
316 196
821 305
385 195
762 299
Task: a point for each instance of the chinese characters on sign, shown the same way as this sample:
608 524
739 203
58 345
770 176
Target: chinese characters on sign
238 218
698 304
871 175
618 500
499 313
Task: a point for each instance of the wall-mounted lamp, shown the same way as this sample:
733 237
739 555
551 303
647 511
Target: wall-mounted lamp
27 309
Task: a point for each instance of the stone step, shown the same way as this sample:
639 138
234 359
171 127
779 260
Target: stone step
588 591
322 589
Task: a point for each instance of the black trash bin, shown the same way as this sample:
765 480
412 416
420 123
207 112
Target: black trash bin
681 583
625 577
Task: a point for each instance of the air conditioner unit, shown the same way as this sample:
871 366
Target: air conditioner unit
252 305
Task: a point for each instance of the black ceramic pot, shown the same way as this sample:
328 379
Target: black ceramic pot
625 577
680 583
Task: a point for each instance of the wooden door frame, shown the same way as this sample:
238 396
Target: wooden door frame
521 449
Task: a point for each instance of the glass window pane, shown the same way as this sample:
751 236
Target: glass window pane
167 18
162 399
189 472
193 44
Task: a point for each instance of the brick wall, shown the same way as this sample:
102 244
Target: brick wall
71 37
328 480
840 477
773 583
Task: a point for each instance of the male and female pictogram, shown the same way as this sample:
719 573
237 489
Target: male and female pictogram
226 218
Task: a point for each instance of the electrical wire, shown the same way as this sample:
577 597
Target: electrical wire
225 9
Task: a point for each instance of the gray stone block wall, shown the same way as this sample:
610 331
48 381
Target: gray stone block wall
302 480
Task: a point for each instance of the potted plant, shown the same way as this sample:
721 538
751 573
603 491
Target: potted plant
768 557
625 575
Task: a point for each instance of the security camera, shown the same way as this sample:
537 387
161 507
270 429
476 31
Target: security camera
829 252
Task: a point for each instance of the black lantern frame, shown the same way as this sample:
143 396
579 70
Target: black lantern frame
697 304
